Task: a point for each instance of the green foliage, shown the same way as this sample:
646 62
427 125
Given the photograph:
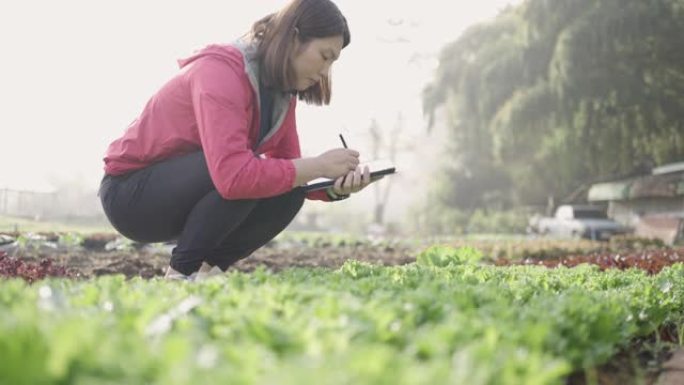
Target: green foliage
523 248
493 222
555 94
17 224
443 320
70 239
434 217
631 242
318 239
442 256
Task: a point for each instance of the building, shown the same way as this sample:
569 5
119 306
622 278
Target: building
653 205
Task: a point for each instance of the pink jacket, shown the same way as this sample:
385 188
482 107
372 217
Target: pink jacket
212 104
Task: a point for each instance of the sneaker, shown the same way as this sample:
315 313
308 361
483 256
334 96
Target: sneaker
208 271
174 275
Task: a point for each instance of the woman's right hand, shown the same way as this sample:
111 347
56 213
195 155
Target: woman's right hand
338 162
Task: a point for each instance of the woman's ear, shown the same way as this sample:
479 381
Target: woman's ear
295 39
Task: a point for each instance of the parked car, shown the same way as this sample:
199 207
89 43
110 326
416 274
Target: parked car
578 221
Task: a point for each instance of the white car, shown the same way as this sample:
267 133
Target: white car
578 221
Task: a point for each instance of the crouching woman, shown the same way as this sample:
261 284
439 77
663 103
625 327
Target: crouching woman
213 161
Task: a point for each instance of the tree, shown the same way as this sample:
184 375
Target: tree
379 142
553 94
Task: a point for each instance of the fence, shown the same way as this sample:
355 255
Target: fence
67 203
28 204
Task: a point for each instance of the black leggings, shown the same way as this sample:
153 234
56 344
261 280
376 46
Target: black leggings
175 200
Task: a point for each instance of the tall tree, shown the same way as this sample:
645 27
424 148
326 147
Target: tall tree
384 143
556 93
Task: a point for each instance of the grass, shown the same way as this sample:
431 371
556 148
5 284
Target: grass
9 223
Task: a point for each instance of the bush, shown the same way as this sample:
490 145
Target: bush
434 219
632 242
497 222
442 256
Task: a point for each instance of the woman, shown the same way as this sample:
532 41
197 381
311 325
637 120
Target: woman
213 161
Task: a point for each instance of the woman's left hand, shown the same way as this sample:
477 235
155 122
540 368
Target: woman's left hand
353 182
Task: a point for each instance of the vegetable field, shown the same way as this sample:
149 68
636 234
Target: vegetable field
444 314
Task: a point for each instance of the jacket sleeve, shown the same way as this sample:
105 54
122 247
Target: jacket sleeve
288 148
221 100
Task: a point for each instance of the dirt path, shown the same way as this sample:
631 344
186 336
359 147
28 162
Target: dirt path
150 263
673 370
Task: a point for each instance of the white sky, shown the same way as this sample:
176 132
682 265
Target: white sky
75 73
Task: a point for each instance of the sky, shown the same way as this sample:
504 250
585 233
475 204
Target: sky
75 73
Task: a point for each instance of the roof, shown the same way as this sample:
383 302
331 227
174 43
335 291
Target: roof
668 168
661 185
610 191
664 184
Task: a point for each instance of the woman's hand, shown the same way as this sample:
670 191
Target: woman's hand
338 162
353 182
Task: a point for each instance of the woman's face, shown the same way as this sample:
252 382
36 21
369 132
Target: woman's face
312 60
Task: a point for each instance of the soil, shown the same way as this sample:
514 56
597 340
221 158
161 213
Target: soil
147 263
653 360
652 261
673 370
91 259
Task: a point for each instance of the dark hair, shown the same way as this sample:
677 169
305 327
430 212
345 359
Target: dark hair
274 34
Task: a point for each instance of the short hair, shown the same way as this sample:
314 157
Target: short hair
274 34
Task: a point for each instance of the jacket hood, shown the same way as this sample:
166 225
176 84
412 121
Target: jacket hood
243 54
225 52
239 53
